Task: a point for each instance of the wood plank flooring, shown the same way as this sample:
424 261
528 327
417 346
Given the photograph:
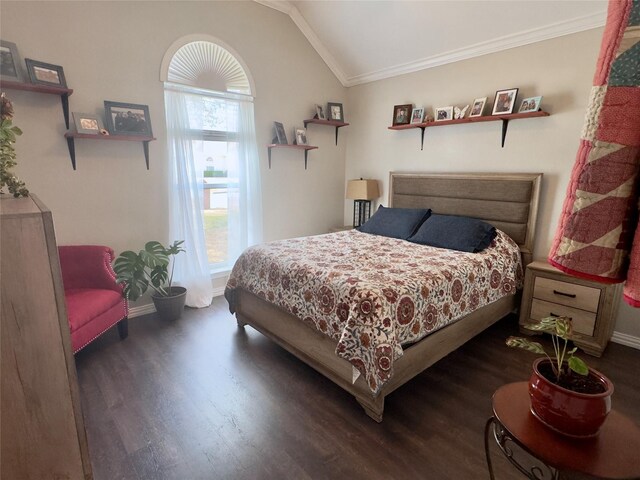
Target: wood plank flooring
201 399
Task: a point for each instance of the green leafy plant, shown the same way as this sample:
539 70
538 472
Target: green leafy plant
147 268
8 134
561 330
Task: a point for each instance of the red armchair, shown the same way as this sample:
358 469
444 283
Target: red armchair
94 300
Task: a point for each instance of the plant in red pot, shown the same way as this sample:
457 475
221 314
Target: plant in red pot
566 395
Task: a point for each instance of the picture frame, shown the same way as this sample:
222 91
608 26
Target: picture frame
417 115
42 73
335 111
320 112
300 135
127 119
88 123
281 136
10 63
402 114
504 101
477 107
530 104
443 114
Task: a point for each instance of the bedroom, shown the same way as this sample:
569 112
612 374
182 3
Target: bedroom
111 199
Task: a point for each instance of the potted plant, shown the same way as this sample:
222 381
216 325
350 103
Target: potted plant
8 134
150 268
566 395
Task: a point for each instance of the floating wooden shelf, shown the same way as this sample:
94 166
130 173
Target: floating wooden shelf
486 118
71 136
332 123
306 149
48 89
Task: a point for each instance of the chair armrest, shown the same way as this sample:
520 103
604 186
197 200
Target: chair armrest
87 266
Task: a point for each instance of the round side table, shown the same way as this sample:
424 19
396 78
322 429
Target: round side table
613 454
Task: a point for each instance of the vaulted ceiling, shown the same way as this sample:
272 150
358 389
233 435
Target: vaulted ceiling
363 41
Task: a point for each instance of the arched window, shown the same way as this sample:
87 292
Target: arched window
214 191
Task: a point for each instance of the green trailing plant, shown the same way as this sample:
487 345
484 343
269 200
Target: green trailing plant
8 134
147 268
560 329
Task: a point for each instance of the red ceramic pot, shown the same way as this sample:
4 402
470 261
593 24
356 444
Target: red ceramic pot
567 412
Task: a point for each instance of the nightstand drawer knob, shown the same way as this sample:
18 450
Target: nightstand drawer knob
570 295
556 315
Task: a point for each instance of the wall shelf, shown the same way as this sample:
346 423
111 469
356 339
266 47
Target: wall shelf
306 149
332 123
71 136
486 118
50 90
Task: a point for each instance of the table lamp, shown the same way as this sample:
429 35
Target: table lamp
362 192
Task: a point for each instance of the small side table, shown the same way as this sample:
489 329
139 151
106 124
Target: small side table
614 453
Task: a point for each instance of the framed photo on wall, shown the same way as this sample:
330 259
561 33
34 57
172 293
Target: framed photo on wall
127 119
402 114
442 114
504 102
417 115
477 107
281 136
531 104
335 111
42 73
320 113
87 123
301 136
10 64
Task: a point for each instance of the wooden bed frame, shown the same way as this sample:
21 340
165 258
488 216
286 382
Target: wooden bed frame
509 201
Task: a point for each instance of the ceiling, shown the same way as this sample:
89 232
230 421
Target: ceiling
362 41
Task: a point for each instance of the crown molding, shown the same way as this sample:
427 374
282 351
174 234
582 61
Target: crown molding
559 29
499 44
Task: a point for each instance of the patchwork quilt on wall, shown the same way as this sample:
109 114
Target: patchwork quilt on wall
598 235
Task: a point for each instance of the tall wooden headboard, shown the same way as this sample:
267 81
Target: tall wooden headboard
508 201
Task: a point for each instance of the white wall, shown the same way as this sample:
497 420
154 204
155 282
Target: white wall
560 69
113 51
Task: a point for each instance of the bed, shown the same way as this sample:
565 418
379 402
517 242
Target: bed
507 201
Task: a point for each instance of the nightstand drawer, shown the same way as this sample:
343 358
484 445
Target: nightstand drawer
569 294
583 322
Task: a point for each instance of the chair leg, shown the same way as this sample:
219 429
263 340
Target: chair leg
123 328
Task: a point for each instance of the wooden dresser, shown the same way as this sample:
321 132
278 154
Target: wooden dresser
43 433
592 306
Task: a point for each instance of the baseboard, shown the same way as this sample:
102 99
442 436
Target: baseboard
150 308
624 339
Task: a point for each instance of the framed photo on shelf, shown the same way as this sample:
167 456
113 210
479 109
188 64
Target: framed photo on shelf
417 114
281 136
504 102
10 64
87 123
127 119
402 114
335 111
301 136
531 104
320 112
477 107
42 73
442 114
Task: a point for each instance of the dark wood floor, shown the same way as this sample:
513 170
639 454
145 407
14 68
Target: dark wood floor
201 399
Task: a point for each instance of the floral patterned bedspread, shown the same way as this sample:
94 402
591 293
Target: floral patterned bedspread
373 294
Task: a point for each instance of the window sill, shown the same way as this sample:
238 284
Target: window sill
221 272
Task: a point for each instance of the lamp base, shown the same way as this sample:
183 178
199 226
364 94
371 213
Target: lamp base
361 212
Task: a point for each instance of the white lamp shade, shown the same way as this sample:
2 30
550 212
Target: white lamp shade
362 189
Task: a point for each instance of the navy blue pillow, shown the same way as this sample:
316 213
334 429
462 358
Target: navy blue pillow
395 222
456 233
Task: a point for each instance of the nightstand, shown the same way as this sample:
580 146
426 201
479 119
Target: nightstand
592 306
342 229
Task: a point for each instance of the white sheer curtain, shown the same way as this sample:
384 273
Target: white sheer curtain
245 201
185 202
186 111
